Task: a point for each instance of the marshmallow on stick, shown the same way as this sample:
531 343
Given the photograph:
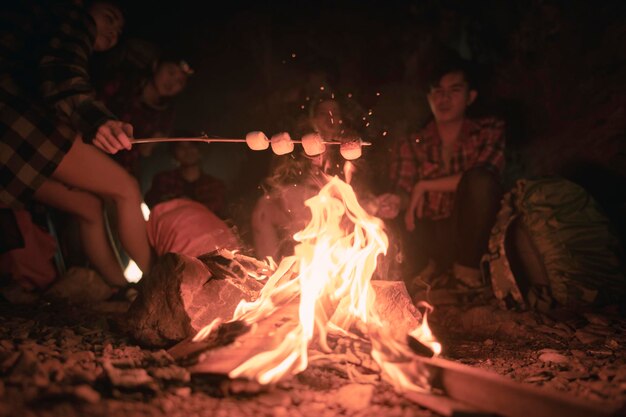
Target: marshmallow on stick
350 150
282 143
257 141
313 144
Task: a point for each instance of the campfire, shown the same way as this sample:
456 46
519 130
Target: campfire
325 290
319 307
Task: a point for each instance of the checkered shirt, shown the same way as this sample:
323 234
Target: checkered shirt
420 158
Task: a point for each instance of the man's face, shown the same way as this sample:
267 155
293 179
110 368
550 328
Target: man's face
327 117
187 153
109 24
450 98
169 79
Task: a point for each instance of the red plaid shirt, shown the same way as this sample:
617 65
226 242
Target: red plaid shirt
207 190
419 158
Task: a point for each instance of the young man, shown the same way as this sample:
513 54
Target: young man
188 181
448 180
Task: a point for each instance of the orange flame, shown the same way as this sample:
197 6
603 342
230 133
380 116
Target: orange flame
334 260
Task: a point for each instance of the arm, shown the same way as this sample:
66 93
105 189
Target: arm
443 184
65 83
402 175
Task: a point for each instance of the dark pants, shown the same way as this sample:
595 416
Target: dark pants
461 238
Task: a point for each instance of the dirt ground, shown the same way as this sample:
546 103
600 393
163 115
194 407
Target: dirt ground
61 360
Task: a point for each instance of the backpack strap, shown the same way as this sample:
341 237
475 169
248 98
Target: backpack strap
495 265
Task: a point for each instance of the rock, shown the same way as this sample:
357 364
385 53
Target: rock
354 397
184 392
275 399
129 378
79 286
573 375
87 394
541 377
181 295
171 373
553 357
587 338
597 319
553 330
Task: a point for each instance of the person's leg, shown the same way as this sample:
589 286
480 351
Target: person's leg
429 251
266 216
89 169
88 210
477 203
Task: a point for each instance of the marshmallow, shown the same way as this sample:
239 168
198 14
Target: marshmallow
313 144
282 143
350 150
257 141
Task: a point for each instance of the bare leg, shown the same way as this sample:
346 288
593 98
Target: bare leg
88 210
265 235
89 169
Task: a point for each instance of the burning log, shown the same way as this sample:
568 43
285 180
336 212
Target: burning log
181 295
222 354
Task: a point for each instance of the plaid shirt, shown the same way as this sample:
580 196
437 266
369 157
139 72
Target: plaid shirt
206 189
63 70
44 89
481 143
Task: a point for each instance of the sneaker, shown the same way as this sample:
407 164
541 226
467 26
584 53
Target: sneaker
470 277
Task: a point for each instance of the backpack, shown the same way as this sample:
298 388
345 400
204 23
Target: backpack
552 245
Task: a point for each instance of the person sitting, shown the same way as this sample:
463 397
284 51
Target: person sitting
54 131
188 181
147 104
447 179
187 207
296 177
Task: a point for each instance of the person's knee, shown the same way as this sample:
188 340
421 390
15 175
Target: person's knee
480 179
127 190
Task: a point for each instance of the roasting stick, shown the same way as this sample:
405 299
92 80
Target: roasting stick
221 140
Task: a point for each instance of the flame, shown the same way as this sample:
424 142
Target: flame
334 261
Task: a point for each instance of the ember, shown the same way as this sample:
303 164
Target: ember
325 289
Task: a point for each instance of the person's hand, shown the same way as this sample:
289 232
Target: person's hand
416 206
113 136
388 205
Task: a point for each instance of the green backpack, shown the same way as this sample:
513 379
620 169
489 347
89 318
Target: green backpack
552 245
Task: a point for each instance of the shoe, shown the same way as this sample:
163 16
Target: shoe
127 293
470 277
448 288
427 278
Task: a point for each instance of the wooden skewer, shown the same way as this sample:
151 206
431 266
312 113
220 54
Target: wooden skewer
222 140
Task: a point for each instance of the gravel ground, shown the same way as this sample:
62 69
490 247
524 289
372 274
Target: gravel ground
62 360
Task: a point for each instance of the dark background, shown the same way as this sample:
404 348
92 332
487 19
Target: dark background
555 71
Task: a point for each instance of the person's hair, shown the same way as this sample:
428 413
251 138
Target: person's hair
450 63
319 99
118 4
